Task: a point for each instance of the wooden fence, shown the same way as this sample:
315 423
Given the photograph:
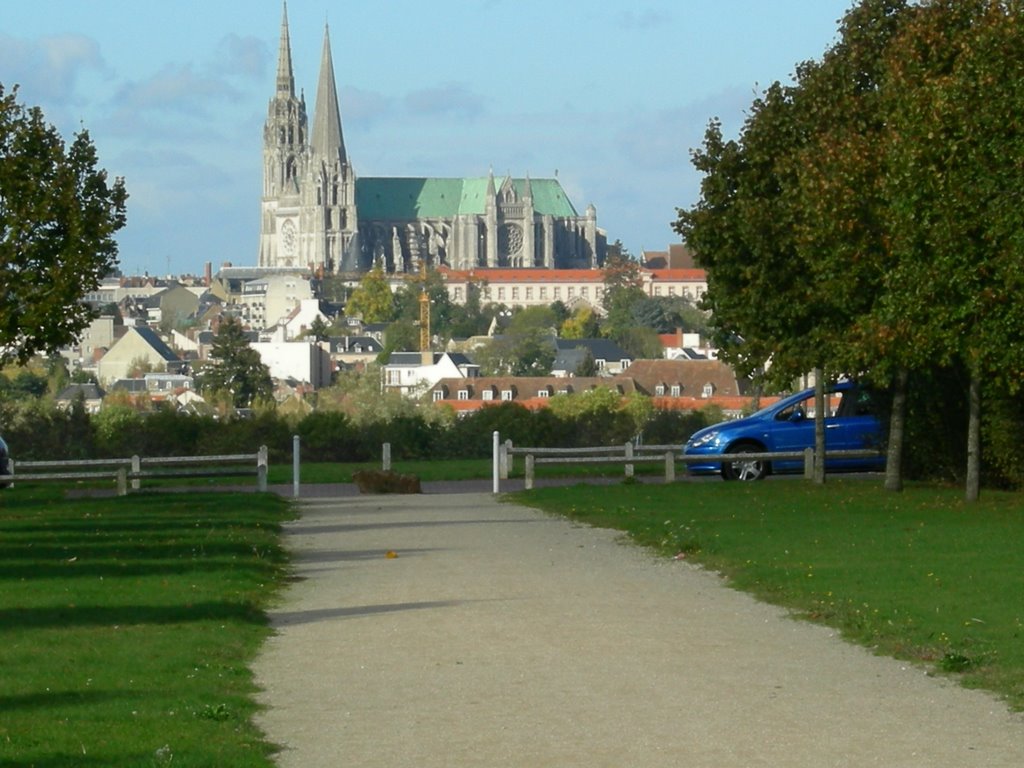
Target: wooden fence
629 454
132 471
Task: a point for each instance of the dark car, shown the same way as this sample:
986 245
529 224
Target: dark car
4 456
851 422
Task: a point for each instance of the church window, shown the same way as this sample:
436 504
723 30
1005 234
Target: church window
510 239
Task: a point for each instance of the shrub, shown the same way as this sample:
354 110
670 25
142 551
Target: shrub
329 436
385 481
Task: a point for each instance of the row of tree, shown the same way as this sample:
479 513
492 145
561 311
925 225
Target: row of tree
341 430
868 219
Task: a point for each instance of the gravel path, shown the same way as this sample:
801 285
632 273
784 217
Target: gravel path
499 636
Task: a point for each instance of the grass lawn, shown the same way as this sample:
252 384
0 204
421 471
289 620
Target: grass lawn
919 575
128 626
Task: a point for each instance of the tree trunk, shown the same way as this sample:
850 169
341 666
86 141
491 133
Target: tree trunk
974 437
819 427
897 422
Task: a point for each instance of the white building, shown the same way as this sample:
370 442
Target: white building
572 287
413 373
303 361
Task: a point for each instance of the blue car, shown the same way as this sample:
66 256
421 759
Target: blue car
5 454
851 422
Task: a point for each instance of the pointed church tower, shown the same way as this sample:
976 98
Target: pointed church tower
284 161
329 192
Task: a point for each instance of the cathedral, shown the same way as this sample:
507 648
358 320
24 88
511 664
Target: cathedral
317 215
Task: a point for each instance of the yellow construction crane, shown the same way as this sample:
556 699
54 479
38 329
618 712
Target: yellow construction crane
424 309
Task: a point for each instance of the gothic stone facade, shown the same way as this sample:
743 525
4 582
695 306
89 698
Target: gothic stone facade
316 214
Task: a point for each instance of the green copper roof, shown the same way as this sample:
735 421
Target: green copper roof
399 199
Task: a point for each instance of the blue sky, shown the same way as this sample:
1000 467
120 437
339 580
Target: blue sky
611 95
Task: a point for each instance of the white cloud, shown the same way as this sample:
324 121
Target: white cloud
48 67
177 89
364 107
246 57
454 99
644 19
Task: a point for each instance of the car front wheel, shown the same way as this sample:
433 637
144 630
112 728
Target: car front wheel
745 469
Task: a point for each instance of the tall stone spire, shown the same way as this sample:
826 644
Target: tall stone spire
326 139
285 79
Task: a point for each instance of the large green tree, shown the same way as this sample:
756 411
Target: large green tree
867 219
955 100
236 368
372 300
58 216
623 287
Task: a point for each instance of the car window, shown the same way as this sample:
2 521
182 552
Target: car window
856 402
805 407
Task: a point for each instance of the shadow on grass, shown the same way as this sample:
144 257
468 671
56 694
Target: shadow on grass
81 568
82 761
48 699
125 615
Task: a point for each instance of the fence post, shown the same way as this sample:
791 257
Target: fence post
122 481
629 455
808 463
670 467
503 460
510 458
495 462
136 468
296 447
261 468
10 471
528 483
386 458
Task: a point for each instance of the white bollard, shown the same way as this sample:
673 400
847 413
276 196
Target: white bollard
296 446
496 460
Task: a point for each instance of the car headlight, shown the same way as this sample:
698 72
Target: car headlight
700 442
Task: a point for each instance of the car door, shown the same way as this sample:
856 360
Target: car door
854 425
792 429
